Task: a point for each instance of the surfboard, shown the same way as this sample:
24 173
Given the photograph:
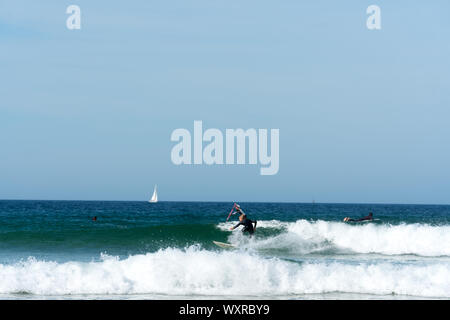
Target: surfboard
364 221
224 245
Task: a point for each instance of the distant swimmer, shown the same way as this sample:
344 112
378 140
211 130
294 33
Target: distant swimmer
369 217
94 218
249 225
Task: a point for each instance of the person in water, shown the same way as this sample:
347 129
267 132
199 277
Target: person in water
368 217
249 225
238 209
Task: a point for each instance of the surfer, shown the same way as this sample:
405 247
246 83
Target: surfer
238 209
368 217
249 225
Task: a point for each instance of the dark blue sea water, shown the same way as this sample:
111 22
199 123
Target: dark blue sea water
143 250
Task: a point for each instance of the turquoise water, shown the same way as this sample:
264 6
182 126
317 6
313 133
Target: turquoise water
53 249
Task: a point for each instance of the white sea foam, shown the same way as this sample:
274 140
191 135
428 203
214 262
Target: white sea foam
274 224
221 273
305 236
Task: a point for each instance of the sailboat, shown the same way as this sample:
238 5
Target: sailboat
154 198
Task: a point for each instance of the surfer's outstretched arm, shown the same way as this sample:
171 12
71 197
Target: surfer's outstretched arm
232 228
254 227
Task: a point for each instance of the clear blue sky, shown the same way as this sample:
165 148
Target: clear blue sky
363 115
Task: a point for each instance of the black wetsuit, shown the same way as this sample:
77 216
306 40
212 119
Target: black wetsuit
361 219
248 226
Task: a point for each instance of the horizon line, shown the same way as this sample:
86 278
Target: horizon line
223 201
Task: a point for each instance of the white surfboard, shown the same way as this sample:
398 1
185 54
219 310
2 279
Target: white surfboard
363 221
224 245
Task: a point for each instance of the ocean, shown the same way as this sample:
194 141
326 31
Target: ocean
138 250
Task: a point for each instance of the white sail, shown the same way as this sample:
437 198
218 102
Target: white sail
154 196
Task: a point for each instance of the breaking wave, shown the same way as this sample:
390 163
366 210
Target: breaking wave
304 236
195 271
